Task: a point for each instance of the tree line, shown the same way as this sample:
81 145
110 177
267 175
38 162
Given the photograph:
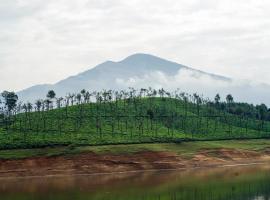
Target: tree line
146 114
10 104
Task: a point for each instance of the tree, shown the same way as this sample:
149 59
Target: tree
1 110
198 102
161 92
71 98
51 95
25 108
29 107
150 114
83 91
47 103
217 99
38 104
87 97
79 98
59 102
229 99
19 107
10 100
262 109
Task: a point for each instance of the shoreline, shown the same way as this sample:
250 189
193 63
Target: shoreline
137 158
134 172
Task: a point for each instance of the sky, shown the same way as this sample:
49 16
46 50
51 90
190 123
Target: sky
46 41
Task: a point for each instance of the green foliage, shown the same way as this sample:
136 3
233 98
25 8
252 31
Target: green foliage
10 99
185 149
127 120
51 94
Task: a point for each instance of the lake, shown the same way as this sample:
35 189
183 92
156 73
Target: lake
227 183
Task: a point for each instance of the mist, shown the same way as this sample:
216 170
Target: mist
205 85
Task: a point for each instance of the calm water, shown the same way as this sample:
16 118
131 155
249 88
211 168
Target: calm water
241 183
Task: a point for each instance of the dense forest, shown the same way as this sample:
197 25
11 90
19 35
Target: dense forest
127 116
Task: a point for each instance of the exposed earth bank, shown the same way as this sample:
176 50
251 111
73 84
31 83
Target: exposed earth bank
91 162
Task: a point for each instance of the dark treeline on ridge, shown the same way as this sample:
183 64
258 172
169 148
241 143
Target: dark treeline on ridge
127 116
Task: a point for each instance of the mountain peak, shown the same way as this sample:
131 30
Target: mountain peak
142 61
139 57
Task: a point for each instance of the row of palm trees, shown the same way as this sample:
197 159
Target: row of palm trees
85 97
11 106
194 101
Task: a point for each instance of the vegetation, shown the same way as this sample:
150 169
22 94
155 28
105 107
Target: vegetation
185 149
122 117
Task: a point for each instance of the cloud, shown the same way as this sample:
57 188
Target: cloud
46 41
205 85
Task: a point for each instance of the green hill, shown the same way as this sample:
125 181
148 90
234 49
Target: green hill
129 120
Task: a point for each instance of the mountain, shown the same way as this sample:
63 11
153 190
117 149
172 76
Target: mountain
144 70
109 75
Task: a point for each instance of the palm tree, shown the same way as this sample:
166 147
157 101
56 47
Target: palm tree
71 98
51 95
197 101
10 99
143 91
25 108
59 102
217 99
83 93
262 110
87 96
47 104
79 98
229 99
38 105
161 92
29 108
18 108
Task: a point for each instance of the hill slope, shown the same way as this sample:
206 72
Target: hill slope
138 120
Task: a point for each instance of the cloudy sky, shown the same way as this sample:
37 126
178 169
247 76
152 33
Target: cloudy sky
46 41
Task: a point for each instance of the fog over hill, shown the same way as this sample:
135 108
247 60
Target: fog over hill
144 70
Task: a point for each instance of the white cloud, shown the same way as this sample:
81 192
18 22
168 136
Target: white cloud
45 41
205 85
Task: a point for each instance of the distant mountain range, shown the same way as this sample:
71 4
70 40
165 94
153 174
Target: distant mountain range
138 70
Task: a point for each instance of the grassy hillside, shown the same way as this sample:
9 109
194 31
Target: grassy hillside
133 120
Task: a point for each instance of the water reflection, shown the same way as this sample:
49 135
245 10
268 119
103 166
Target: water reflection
241 183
